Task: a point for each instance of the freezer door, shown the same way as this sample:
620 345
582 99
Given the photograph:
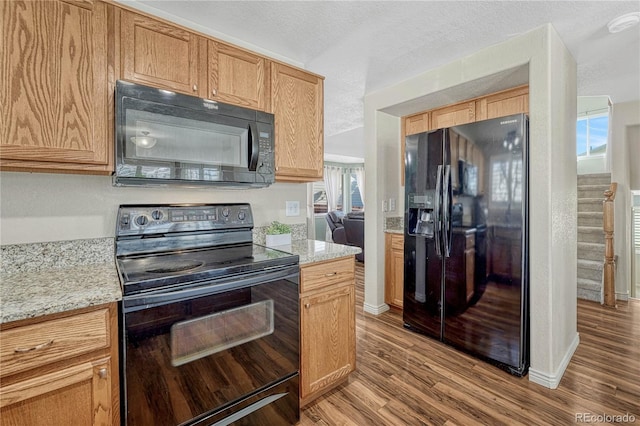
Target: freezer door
423 272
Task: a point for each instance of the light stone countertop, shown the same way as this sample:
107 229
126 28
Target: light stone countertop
394 231
311 251
32 294
46 278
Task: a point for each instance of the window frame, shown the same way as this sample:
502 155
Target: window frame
586 117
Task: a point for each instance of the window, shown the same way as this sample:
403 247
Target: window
591 134
349 197
636 229
320 197
506 179
355 196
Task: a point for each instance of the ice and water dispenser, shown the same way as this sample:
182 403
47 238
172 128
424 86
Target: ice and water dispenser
422 214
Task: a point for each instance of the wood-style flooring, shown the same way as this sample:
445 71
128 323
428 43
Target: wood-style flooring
402 378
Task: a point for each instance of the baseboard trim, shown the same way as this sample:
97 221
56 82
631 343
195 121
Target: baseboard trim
376 310
552 381
622 296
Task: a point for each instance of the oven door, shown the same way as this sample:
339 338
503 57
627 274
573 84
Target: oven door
214 352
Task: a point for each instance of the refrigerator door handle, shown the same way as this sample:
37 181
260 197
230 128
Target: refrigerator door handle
446 211
436 221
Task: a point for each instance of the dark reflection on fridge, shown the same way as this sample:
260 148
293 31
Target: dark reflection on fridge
466 282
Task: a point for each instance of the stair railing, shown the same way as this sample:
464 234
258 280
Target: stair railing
609 260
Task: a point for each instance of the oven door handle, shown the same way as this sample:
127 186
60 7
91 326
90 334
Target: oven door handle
138 302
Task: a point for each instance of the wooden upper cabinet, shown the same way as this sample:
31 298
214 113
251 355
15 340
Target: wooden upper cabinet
453 115
54 97
417 123
297 100
162 55
508 102
237 76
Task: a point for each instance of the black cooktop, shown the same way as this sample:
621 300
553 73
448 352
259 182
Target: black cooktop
145 272
163 247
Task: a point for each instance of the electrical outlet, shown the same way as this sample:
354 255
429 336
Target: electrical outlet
292 208
384 206
392 204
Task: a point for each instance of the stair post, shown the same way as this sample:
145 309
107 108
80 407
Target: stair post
609 263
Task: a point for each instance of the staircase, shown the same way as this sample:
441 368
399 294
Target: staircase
591 235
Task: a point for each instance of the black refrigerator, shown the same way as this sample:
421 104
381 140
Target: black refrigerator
466 239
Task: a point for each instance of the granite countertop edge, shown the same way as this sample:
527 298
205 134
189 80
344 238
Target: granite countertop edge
26 295
31 294
311 251
394 231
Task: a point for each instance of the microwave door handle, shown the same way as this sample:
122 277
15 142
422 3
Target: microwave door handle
254 147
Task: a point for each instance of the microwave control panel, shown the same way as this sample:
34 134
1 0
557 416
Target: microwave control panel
266 156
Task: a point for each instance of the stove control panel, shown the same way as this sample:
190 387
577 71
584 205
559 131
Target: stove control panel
153 219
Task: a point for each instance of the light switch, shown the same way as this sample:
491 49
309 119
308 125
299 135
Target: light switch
293 208
392 204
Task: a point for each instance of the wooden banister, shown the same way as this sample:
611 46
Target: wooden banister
609 262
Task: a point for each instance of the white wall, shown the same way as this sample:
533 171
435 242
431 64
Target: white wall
624 117
589 165
553 223
633 146
349 143
381 165
38 207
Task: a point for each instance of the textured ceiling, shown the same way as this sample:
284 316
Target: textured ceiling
363 46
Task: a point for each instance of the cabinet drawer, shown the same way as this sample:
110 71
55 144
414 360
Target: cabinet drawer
326 273
23 348
397 242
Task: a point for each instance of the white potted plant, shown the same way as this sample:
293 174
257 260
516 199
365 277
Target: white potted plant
278 234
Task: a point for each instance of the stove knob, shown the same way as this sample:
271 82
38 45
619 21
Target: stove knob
225 212
157 215
241 215
142 220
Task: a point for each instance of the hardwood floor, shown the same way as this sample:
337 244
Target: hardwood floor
402 378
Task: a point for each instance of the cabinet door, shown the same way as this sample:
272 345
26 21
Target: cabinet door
161 55
237 76
297 102
327 324
76 395
453 115
54 100
394 270
513 101
417 123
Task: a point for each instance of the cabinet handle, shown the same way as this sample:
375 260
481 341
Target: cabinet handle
102 373
307 305
214 92
195 87
34 348
331 274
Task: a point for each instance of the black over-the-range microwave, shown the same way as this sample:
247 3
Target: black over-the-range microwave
167 138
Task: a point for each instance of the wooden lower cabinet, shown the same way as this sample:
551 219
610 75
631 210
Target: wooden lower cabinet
394 270
327 326
61 369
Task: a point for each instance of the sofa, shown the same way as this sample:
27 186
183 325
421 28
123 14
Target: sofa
348 229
